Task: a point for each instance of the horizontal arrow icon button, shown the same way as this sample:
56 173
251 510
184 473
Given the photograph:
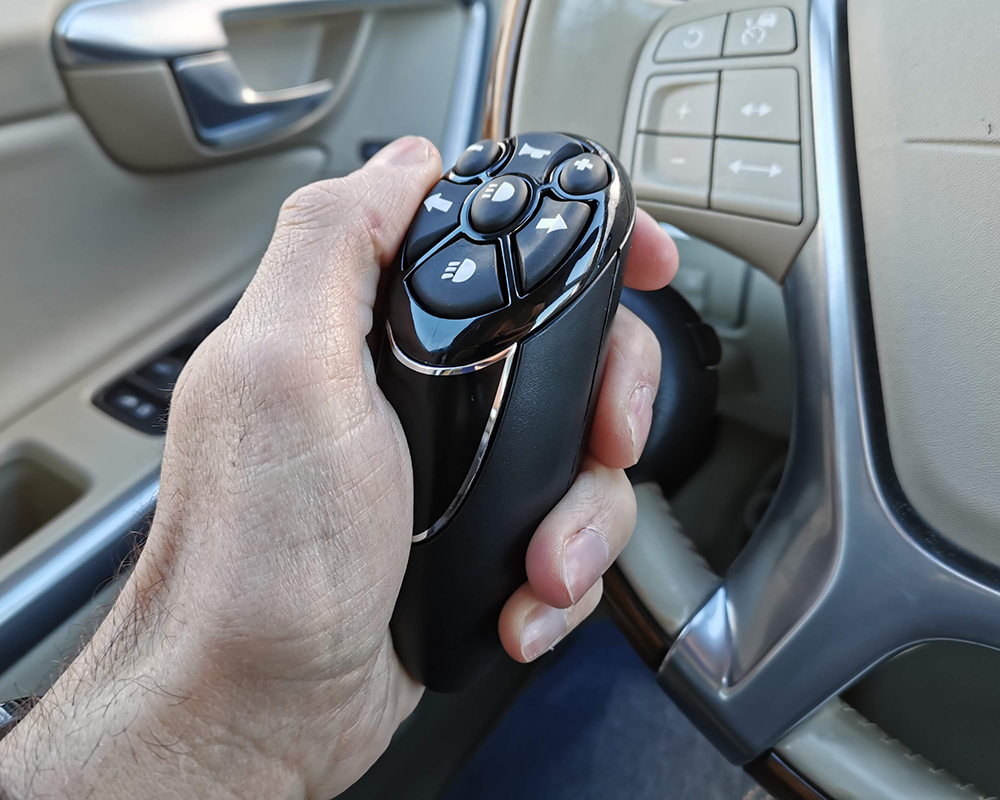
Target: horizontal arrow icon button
760 109
738 166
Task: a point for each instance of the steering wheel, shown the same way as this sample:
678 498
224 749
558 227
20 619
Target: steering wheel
882 534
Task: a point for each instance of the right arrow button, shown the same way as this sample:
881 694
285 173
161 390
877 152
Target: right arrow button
547 239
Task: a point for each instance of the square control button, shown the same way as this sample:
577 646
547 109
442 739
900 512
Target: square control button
680 104
759 31
699 39
759 104
674 169
758 179
460 281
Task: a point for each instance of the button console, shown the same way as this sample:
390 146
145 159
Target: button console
548 238
498 203
460 281
536 154
500 257
437 217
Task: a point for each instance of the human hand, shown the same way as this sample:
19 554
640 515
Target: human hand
249 653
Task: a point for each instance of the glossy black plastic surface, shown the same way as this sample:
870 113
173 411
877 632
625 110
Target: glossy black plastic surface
444 418
445 625
512 389
428 338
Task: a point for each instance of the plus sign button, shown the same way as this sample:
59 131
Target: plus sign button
584 174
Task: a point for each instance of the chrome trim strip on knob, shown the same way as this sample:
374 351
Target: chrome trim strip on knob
425 369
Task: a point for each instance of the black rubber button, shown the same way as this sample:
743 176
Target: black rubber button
460 281
477 158
498 203
584 174
536 154
548 238
436 218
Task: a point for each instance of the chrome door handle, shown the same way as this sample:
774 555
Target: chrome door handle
226 113
95 32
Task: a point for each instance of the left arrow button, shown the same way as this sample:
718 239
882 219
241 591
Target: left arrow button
438 216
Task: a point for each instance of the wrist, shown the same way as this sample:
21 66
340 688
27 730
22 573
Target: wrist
120 724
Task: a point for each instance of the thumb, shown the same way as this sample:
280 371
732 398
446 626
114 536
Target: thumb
316 285
321 270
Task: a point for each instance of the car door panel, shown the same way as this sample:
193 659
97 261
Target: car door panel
103 262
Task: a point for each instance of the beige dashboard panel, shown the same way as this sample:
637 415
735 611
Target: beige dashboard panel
575 66
925 78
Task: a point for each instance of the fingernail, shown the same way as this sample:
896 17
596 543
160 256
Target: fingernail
584 560
403 152
640 414
543 627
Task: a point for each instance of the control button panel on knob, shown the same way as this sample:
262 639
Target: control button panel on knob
493 253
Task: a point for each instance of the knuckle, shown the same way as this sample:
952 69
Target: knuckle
316 205
611 500
344 206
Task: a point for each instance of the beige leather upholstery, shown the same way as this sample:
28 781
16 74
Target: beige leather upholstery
927 131
850 757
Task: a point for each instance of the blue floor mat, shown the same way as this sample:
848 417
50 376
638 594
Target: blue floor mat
597 727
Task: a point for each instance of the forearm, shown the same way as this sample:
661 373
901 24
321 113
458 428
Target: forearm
117 725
